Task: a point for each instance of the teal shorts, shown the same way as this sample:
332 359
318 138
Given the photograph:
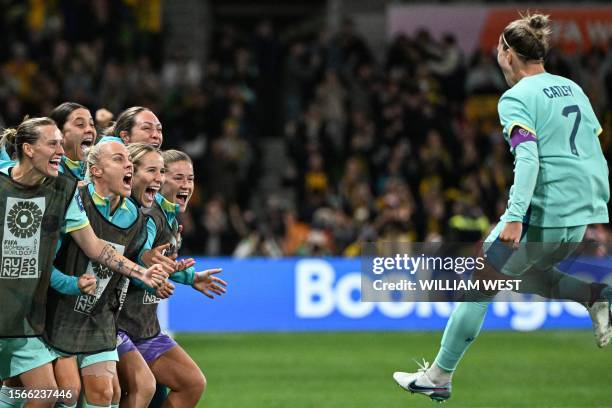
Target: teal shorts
84 360
19 355
543 249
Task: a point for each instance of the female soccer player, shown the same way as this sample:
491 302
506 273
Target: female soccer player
117 220
137 381
36 206
140 331
138 125
77 126
560 186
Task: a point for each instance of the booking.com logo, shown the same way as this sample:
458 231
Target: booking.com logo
320 291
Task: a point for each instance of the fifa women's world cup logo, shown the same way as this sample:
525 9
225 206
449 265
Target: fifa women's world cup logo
24 219
21 237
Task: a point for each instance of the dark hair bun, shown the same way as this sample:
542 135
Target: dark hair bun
538 21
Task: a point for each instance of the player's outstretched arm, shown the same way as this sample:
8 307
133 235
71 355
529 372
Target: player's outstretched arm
208 284
104 253
170 264
165 291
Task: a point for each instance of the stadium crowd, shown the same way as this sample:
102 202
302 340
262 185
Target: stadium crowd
404 148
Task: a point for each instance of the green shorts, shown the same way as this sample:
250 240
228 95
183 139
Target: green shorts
84 360
23 354
545 247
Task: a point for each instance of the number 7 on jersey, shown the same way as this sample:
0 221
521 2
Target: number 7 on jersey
566 112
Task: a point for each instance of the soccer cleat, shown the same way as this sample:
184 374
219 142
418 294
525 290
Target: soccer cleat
420 383
601 316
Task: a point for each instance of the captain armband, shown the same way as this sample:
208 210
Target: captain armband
520 135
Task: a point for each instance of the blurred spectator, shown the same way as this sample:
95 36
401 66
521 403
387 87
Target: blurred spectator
229 162
593 80
300 69
404 149
179 71
484 77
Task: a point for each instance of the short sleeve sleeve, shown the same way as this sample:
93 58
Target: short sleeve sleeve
151 233
513 112
76 217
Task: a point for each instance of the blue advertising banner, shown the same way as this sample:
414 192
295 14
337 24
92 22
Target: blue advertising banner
308 294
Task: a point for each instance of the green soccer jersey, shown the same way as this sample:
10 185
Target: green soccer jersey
572 184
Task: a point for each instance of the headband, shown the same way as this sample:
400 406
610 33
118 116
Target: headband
518 53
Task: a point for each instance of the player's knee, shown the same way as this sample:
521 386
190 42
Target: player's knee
147 390
75 388
71 393
198 383
145 385
116 391
192 383
100 394
201 383
71 387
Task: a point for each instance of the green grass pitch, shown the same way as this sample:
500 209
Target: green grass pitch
501 369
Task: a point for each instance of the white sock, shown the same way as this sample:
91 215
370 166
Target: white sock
438 376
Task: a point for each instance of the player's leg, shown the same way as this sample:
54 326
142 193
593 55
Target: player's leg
67 377
548 281
462 328
26 362
137 381
551 283
40 378
135 377
545 279
116 392
97 373
175 369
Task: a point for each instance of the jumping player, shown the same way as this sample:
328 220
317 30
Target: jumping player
560 186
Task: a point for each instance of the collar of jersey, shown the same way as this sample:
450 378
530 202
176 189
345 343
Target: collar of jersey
104 205
76 167
170 209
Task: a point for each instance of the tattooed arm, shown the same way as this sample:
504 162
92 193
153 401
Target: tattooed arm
104 253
